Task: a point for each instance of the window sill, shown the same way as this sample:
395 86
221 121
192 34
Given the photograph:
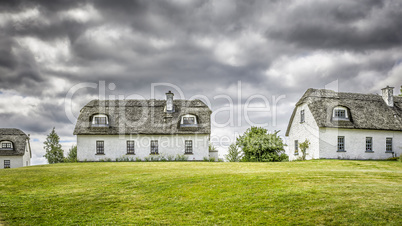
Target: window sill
369 151
100 154
130 153
340 119
188 153
99 125
188 125
340 151
302 122
6 149
154 154
391 152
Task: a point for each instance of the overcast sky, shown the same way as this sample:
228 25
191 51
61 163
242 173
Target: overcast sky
261 54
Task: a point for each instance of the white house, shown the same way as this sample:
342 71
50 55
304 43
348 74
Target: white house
346 125
15 150
138 129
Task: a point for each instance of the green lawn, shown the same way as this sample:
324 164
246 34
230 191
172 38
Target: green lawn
311 192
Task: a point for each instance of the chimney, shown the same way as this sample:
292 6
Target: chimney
388 95
169 102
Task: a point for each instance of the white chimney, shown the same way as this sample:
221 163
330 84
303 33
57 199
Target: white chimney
169 102
388 95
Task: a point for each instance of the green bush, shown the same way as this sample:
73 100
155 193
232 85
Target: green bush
181 157
258 145
234 153
170 157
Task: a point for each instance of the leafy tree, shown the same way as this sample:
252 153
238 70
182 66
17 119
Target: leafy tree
303 148
234 153
259 145
401 92
72 154
54 153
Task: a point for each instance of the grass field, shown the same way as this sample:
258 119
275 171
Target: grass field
326 192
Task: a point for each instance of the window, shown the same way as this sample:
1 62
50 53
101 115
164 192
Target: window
154 147
340 113
341 143
100 147
188 147
388 144
296 147
369 144
130 147
6 164
6 144
188 120
100 120
302 116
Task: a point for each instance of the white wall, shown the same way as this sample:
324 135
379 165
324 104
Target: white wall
26 158
15 161
18 161
116 146
355 143
302 131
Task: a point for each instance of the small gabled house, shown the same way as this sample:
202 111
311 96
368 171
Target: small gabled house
137 129
346 125
15 149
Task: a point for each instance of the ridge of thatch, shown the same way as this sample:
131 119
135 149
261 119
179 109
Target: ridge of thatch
143 117
17 137
367 111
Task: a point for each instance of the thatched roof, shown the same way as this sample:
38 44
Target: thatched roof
17 137
143 117
367 111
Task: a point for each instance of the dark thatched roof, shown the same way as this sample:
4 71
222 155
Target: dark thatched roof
17 137
143 117
367 111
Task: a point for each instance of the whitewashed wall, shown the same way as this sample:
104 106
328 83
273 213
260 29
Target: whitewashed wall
302 131
26 159
116 146
17 161
355 143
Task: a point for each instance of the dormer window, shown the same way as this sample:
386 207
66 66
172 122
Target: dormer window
100 120
188 120
6 145
340 113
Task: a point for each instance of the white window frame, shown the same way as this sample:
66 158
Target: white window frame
369 144
188 147
154 147
189 116
388 144
341 145
6 142
7 164
340 108
130 147
100 116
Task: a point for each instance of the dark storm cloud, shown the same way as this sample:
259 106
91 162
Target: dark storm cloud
349 25
17 66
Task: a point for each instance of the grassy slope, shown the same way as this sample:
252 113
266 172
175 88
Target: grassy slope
310 192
